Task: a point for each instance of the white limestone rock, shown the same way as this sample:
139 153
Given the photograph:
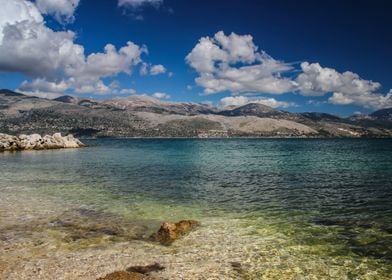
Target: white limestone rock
36 142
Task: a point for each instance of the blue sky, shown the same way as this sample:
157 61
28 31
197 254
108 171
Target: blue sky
296 57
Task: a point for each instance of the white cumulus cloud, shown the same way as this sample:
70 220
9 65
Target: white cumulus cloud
233 63
241 100
52 58
346 88
365 99
161 95
112 62
316 80
29 47
62 10
12 12
153 70
44 86
234 101
157 69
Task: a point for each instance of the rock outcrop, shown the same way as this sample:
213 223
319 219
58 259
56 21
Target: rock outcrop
37 142
169 232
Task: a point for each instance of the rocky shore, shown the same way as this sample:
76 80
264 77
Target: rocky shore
37 142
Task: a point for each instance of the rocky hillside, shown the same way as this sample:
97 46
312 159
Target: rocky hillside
382 115
143 116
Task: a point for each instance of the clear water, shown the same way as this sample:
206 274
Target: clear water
322 207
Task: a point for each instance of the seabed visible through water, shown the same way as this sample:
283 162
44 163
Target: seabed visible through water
269 209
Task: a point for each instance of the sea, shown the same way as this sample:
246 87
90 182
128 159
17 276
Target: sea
268 209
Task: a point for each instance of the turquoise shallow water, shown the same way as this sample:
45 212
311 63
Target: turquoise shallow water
330 198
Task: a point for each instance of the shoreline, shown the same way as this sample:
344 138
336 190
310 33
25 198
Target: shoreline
228 138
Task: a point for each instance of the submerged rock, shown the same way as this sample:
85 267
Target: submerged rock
87 226
236 266
346 223
125 275
169 232
134 273
146 269
36 142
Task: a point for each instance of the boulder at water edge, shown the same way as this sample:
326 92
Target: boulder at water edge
169 232
36 142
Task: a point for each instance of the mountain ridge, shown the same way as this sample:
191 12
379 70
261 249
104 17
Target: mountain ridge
144 116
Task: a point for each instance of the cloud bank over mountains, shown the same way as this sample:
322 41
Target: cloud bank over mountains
241 100
234 63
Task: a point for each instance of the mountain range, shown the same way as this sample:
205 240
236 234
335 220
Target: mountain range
145 116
